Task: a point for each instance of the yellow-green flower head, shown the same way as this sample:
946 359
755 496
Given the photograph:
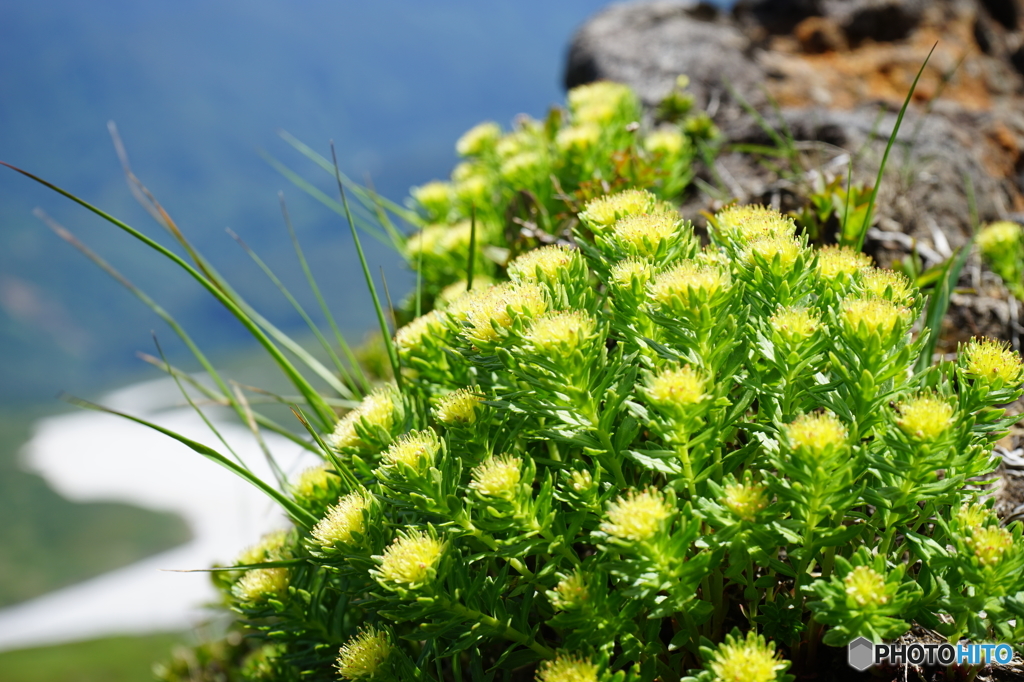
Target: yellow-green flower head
669 142
561 332
691 282
417 449
549 261
466 170
795 324
676 386
599 93
816 433
642 233
841 260
261 584
745 223
458 407
636 516
601 213
410 560
626 273
479 139
746 660
999 238
435 197
411 336
746 500
925 417
771 246
973 516
990 544
377 409
581 481
314 482
363 656
570 593
271 547
342 520
887 284
457 237
524 165
462 306
578 138
453 291
500 306
515 142
427 241
875 315
865 586
992 362
475 190
497 476
567 668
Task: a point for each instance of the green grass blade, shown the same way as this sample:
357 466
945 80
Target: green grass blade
472 248
402 212
385 332
885 157
398 239
297 513
346 474
357 369
250 421
339 386
320 196
938 303
192 404
312 397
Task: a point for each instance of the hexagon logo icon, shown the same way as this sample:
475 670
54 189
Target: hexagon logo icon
860 654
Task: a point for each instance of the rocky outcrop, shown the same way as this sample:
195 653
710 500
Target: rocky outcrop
834 73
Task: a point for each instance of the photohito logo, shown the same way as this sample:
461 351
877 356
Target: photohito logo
862 653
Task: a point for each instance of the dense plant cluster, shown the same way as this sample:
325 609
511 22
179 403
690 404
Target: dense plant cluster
523 187
641 457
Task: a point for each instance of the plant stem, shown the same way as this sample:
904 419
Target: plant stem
506 631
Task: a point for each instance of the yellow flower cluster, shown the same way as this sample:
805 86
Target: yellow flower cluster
746 660
498 306
567 668
925 417
834 261
602 212
676 386
816 433
743 224
795 324
377 409
416 449
458 407
571 592
991 361
691 282
497 476
746 500
261 584
865 586
410 560
547 262
561 332
362 657
342 520
637 516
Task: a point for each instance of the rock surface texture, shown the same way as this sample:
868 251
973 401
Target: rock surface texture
832 75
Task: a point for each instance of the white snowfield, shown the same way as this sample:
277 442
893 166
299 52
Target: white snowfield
89 456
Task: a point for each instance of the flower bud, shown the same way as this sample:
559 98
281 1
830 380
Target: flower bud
435 198
925 417
560 333
865 586
999 238
746 500
315 486
567 668
544 263
416 449
743 224
688 286
458 407
271 547
376 411
497 477
342 520
991 362
867 318
990 544
746 660
602 212
816 434
364 656
631 273
834 261
674 387
411 560
641 235
637 516
411 337
972 516
887 284
668 142
769 247
260 584
479 139
795 325
571 593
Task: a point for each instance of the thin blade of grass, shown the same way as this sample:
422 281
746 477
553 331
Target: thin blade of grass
312 397
472 248
339 386
284 563
400 211
392 353
885 156
938 303
195 408
343 470
250 421
297 513
387 297
320 196
262 420
398 239
357 369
